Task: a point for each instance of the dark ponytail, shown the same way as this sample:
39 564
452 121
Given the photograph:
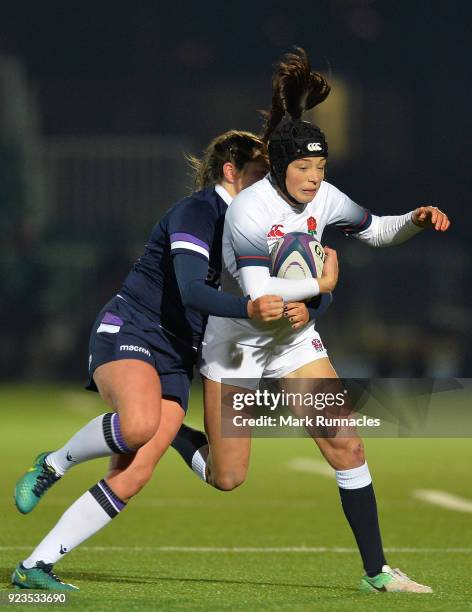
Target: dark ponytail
295 89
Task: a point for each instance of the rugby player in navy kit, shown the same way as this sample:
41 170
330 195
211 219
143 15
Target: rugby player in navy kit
143 348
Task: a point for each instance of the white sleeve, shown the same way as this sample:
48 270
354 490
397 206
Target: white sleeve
344 214
389 231
256 281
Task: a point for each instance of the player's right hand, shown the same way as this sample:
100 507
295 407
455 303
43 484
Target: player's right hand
266 308
329 279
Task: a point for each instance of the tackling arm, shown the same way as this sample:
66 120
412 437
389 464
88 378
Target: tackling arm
191 272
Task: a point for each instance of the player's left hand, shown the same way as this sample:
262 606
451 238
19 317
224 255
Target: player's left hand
297 314
431 217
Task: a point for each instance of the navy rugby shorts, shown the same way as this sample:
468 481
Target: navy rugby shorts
122 332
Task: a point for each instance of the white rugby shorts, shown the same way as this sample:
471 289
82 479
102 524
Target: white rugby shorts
224 358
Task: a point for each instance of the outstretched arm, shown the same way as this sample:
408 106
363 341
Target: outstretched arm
354 220
392 230
388 230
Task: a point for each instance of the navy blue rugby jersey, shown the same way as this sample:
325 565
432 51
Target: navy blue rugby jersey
193 226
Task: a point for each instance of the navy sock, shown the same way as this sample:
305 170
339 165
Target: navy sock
187 442
360 508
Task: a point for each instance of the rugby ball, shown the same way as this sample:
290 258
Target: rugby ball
297 256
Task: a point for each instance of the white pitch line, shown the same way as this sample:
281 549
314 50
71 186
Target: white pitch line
249 549
311 466
444 500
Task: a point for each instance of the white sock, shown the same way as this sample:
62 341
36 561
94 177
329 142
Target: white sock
355 478
199 462
90 513
101 437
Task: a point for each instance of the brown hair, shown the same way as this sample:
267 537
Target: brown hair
295 89
234 146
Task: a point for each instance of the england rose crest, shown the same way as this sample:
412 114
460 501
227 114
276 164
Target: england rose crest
311 225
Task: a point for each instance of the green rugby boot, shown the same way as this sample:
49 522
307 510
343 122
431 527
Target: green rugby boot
392 581
31 486
40 576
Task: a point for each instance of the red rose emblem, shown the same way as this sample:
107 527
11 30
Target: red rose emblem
311 224
317 344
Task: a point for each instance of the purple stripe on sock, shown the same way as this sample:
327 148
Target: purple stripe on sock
112 319
114 499
188 238
116 428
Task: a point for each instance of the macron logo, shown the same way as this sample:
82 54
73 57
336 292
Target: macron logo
313 146
137 349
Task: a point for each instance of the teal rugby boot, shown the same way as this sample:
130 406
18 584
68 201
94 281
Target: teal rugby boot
40 576
33 485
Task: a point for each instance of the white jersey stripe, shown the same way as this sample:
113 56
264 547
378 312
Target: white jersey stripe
189 246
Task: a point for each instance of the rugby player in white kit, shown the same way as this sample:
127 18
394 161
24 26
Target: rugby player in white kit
294 197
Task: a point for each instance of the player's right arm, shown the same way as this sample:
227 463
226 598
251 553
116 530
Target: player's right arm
191 233
247 230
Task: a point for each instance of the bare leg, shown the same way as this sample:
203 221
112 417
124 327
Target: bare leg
346 455
133 389
228 459
128 474
341 452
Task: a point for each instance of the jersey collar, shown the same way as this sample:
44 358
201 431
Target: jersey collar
224 195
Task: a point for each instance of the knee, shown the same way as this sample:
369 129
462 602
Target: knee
138 431
349 454
227 481
355 452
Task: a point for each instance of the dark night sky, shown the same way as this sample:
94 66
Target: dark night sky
123 39
193 69
152 68
153 47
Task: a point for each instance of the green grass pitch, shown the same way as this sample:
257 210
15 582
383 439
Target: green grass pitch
171 549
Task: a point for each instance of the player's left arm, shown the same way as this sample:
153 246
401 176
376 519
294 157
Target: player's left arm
354 220
392 230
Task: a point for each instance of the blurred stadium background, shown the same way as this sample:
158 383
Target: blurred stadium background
98 106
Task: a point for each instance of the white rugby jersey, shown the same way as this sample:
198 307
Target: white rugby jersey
257 218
